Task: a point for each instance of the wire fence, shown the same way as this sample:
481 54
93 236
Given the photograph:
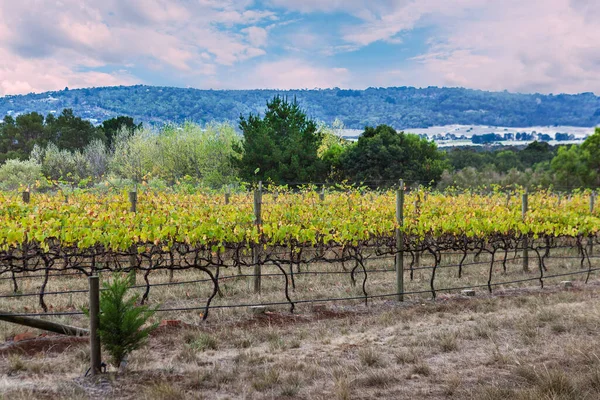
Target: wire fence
79 263
540 276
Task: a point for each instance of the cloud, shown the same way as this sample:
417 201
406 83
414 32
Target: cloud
292 73
19 76
533 45
67 36
256 36
355 7
536 46
526 46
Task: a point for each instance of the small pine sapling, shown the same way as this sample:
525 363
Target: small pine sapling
121 320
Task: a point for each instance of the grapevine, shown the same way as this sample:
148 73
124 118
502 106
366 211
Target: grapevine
91 233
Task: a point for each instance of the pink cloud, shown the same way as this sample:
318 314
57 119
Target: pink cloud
546 46
56 41
291 73
21 76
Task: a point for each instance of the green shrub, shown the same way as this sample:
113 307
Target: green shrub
121 321
15 174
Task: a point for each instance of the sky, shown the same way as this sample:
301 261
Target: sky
545 46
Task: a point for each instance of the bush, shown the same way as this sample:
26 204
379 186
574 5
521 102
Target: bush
64 165
121 320
15 174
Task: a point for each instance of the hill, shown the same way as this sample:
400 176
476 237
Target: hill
401 107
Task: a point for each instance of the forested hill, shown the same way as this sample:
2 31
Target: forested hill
400 107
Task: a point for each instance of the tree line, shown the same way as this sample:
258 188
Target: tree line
281 146
401 107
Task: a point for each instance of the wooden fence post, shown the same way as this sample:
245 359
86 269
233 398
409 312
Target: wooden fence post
26 196
227 194
133 250
417 261
524 208
591 239
400 242
133 201
256 247
322 194
95 355
43 324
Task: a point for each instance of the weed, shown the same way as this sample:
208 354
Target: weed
452 386
276 342
16 364
421 369
405 356
291 385
163 391
376 378
558 328
342 389
448 341
266 379
204 341
493 393
554 384
369 357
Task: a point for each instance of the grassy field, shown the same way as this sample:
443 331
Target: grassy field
521 342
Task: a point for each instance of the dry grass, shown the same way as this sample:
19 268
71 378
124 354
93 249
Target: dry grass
525 344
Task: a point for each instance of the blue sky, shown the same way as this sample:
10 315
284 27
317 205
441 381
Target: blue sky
547 46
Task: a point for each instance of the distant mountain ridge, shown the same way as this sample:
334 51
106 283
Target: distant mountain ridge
400 107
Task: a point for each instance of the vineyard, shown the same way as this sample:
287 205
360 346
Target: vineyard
283 248
284 276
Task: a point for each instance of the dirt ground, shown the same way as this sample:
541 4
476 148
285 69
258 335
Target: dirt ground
525 343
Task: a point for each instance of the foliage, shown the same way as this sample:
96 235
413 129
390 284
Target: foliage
279 147
535 153
406 107
382 154
332 148
121 321
111 127
571 167
489 177
344 218
502 159
591 148
15 174
63 165
70 132
18 136
97 157
133 155
282 147
176 154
